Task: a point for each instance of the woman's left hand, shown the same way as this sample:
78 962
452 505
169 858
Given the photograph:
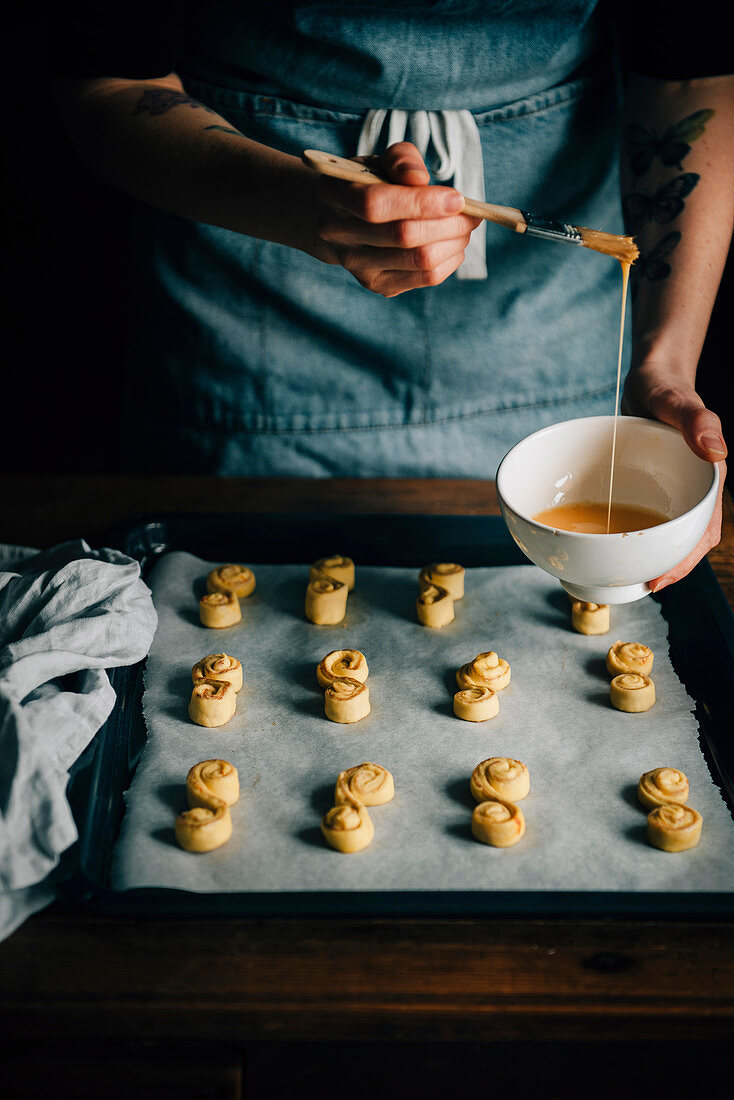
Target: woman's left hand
654 392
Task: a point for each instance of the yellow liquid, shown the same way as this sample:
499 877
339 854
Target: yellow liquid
596 519
625 281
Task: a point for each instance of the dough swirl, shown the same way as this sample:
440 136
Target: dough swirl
212 703
476 704
336 566
348 827
500 824
448 575
500 777
326 600
434 606
632 693
370 784
590 618
235 579
212 786
486 670
218 666
661 786
212 777
342 662
629 657
424 579
346 700
219 609
674 828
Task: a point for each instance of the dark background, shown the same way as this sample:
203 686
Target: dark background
65 237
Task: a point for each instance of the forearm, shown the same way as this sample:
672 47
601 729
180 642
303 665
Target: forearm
680 212
150 139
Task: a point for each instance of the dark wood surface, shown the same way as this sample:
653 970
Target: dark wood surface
41 510
66 974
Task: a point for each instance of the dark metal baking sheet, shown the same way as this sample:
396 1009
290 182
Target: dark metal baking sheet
701 629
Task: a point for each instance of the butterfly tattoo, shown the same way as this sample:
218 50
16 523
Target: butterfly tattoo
653 265
662 207
675 144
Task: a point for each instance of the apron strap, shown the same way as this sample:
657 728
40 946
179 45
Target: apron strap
457 156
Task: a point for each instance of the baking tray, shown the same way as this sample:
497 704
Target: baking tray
701 634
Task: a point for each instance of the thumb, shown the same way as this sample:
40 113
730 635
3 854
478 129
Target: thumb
402 163
700 426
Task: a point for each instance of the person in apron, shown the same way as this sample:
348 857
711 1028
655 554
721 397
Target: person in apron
249 357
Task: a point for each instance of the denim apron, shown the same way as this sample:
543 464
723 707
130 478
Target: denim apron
250 358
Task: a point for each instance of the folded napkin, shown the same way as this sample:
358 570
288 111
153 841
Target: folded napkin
66 614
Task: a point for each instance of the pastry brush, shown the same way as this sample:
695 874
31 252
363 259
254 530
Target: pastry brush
621 248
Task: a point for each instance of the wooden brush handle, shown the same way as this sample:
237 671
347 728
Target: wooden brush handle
340 168
328 164
500 215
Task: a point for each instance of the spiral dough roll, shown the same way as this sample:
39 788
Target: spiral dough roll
590 618
235 579
476 704
326 600
486 670
212 786
219 609
662 785
348 827
632 693
434 606
346 700
218 666
629 657
674 828
500 824
500 777
212 703
336 566
368 783
342 662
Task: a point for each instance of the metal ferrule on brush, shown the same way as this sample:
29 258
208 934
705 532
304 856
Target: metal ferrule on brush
551 230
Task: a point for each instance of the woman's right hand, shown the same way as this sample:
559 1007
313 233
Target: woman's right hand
396 236
391 236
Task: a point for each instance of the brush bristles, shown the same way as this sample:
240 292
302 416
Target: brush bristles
623 249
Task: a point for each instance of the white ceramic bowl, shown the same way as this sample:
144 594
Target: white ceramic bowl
570 462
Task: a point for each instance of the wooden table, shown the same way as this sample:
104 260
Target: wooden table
179 1003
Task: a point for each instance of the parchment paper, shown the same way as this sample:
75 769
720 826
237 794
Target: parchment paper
585 829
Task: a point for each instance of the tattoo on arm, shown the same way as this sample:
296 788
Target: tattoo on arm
226 130
662 207
156 101
643 147
653 265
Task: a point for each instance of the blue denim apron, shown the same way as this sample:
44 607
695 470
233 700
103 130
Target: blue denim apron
256 359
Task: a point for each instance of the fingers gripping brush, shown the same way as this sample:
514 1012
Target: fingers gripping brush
621 248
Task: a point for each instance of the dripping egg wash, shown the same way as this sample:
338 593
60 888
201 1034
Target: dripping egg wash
605 517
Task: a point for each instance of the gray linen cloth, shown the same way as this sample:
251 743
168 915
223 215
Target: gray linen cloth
66 614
